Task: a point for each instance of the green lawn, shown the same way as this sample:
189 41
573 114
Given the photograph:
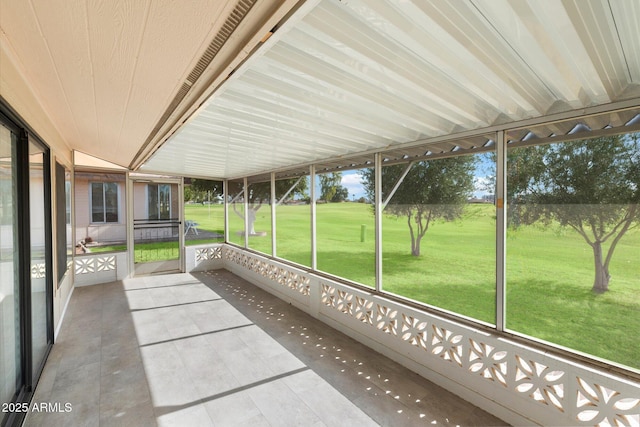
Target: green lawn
549 271
210 218
146 252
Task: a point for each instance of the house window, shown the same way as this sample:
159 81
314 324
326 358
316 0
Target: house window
159 198
104 202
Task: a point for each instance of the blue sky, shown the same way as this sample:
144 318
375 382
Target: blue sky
351 180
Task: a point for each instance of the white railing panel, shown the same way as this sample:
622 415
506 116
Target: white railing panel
289 283
93 269
203 257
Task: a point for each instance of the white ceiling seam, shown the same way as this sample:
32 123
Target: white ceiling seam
342 78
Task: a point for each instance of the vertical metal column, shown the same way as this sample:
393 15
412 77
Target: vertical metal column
273 214
181 236
225 195
130 232
73 212
246 212
312 194
501 229
378 218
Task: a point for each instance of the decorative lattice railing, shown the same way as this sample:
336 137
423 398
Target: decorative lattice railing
91 269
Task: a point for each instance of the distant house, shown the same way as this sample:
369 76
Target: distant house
100 207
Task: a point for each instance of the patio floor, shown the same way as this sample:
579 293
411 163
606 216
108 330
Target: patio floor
211 349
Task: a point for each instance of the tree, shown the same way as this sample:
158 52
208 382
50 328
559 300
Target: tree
201 190
260 193
204 185
188 194
591 186
342 195
432 190
329 185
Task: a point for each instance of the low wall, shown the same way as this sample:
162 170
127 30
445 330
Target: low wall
203 257
92 269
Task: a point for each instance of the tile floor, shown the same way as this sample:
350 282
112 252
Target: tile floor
210 349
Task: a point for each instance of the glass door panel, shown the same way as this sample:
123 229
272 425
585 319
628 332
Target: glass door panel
156 227
10 352
39 267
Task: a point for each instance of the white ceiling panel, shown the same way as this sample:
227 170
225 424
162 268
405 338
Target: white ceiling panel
346 77
105 71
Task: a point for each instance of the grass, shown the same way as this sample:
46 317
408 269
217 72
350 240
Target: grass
209 218
549 271
145 252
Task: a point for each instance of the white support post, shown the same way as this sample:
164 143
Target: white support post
312 194
273 213
501 229
246 212
130 235
181 219
74 235
378 218
225 195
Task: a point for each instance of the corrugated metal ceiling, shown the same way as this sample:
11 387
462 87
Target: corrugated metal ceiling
341 79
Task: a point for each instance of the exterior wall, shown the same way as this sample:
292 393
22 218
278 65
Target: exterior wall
175 202
140 201
99 232
16 91
63 289
60 301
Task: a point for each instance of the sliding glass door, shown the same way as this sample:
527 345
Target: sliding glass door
10 351
26 281
38 248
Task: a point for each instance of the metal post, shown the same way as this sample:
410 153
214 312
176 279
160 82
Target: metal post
378 219
501 230
181 219
312 194
130 230
273 214
225 195
246 212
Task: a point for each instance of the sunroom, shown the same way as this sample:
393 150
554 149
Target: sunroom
455 185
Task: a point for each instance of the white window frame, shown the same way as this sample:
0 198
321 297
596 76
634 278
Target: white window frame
104 203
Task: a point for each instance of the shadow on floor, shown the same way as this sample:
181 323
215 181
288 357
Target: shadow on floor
212 349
